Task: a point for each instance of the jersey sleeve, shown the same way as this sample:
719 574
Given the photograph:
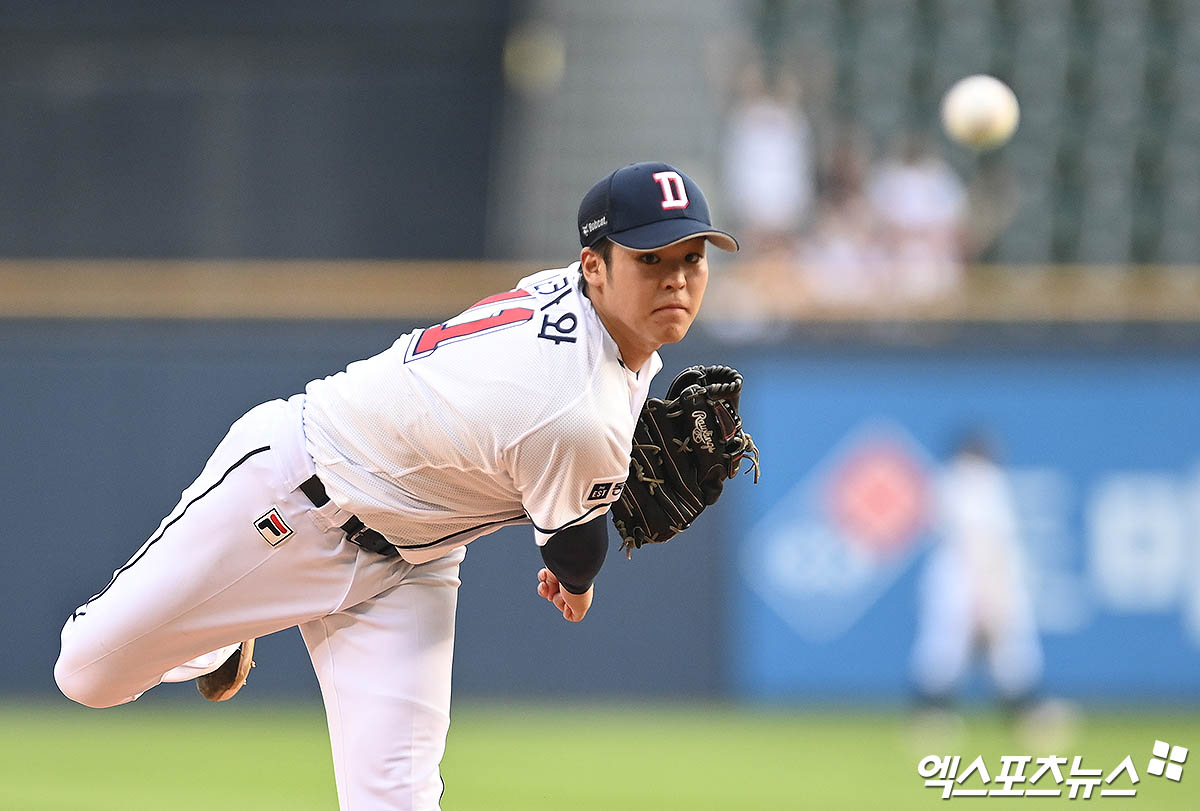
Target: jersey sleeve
568 472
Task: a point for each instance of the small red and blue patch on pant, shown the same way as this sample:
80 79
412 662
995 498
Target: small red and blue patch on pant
273 528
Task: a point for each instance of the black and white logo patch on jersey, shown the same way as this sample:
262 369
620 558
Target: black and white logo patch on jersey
273 528
604 490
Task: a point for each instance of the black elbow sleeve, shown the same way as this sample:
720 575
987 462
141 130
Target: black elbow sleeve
576 554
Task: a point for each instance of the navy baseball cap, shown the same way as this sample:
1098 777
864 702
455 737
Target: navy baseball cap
645 206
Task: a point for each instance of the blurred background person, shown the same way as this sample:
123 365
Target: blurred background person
922 204
974 594
993 201
841 260
767 160
767 165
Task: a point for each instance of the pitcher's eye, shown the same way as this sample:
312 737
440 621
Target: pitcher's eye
649 259
693 258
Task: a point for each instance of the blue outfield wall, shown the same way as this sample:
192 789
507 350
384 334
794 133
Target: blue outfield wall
770 596
1103 452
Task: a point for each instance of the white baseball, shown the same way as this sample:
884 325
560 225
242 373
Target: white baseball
980 112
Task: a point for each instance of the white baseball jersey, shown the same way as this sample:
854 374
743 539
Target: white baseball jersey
518 410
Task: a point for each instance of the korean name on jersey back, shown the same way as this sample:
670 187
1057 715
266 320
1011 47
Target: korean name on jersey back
547 297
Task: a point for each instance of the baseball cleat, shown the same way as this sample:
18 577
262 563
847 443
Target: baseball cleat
224 682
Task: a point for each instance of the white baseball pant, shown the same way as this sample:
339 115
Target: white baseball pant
956 611
379 630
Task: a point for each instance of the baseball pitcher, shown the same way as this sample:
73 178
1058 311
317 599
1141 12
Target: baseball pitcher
346 510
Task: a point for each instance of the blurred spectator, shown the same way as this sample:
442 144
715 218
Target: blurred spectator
994 197
921 204
974 593
768 161
769 185
841 259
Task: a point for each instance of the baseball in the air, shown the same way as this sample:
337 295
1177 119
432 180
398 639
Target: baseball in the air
980 112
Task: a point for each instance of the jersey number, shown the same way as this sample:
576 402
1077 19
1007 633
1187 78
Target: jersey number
433 337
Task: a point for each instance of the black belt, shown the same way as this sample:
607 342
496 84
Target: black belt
356 531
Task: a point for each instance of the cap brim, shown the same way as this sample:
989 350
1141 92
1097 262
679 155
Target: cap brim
668 232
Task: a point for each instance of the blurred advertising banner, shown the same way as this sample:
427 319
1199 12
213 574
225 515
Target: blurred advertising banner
832 557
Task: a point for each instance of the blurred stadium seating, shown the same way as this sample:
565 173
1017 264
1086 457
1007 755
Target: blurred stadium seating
1107 156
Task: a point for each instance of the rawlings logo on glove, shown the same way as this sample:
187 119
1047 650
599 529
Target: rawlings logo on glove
700 434
684 448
